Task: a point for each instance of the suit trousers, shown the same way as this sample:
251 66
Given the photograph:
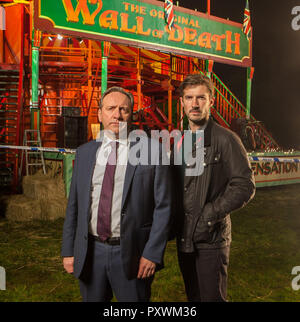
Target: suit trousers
103 276
205 274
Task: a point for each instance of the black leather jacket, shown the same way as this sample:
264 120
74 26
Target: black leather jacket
203 203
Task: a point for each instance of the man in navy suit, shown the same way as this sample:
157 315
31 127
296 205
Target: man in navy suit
117 218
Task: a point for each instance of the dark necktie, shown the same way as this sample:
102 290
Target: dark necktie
105 202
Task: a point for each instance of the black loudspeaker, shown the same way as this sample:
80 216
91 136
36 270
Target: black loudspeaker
72 131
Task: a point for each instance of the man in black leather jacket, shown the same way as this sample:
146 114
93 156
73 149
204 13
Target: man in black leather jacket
203 225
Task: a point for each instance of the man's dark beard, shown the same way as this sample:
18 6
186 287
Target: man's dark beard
199 122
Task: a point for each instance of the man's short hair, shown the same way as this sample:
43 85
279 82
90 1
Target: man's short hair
196 80
119 90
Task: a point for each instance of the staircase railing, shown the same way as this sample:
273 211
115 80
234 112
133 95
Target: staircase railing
8 126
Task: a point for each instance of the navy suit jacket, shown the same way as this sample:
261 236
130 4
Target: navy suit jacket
145 215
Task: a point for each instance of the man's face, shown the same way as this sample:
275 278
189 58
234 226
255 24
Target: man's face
115 109
197 102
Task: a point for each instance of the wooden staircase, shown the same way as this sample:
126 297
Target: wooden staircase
10 108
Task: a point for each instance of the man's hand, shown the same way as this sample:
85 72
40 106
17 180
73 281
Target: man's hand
69 264
146 268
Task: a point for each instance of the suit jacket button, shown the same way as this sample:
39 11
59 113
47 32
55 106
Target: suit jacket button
85 237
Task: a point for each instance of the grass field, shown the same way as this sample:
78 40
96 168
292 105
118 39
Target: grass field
265 248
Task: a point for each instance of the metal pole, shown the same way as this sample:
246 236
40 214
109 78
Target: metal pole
208 7
20 87
103 70
170 96
35 113
90 75
139 80
250 71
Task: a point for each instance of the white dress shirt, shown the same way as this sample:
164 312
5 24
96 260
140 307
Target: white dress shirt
99 170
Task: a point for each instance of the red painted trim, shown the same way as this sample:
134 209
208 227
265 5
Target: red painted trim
20 99
20 86
273 180
75 43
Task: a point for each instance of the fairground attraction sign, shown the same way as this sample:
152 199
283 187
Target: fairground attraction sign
142 24
275 169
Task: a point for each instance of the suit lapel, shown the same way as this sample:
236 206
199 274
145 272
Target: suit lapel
91 161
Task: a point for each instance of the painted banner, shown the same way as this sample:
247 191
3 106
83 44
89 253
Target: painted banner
142 24
276 171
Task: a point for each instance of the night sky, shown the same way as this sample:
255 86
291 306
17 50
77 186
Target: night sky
276 58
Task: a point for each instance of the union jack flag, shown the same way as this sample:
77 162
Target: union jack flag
169 13
247 29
